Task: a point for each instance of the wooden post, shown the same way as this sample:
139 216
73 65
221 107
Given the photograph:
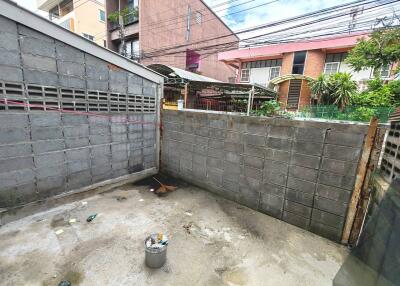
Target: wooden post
363 204
360 179
186 95
250 103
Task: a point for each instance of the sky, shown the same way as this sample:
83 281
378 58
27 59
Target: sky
242 14
270 12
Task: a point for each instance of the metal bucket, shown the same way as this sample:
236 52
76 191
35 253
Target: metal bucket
155 257
180 104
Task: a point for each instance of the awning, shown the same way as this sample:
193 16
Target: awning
174 74
287 77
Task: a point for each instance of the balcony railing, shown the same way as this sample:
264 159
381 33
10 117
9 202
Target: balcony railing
129 18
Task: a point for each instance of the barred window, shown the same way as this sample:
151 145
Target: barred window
274 72
245 75
331 68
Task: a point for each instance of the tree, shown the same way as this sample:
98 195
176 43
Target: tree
343 88
320 89
380 49
336 89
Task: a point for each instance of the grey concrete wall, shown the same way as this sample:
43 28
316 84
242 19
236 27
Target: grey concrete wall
37 69
299 171
43 152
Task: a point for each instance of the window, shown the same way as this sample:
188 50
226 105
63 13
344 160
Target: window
105 43
331 68
198 18
385 71
66 24
193 60
133 3
337 57
102 16
245 75
298 62
262 64
131 49
274 72
89 37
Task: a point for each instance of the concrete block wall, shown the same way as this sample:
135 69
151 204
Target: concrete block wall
299 171
107 127
40 70
44 154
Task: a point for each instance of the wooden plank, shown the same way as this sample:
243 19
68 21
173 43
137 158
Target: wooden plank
361 174
363 204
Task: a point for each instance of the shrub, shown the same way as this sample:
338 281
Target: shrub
268 108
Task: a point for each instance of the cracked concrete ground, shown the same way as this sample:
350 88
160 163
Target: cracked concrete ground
212 242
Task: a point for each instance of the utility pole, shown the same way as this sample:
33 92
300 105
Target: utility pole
353 18
121 30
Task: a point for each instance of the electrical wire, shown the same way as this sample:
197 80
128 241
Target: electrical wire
276 23
285 29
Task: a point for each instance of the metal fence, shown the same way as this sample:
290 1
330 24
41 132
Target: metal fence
351 113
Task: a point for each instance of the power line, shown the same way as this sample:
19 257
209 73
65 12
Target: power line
159 24
219 18
285 29
163 51
276 23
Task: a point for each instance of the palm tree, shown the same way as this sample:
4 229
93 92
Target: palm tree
343 88
320 90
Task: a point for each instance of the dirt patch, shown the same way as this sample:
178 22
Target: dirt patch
72 276
59 220
242 217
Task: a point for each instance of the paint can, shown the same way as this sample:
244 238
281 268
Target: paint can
180 104
155 257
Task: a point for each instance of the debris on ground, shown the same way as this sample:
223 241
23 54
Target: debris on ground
91 217
141 200
72 220
151 190
120 198
164 189
156 240
84 203
60 231
188 227
65 283
188 213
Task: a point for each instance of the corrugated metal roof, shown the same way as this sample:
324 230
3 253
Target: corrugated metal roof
173 72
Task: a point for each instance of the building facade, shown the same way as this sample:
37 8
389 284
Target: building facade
153 27
85 18
288 67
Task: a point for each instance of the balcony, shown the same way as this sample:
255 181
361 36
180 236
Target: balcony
129 19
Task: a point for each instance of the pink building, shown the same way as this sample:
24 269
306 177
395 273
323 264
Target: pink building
288 67
159 25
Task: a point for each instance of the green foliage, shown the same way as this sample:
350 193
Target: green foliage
321 90
379 94
394 87
361 113
114 16
343 88
352 113
381 49
268 108
336 89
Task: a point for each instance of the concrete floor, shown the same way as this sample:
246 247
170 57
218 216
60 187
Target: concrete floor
227 245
